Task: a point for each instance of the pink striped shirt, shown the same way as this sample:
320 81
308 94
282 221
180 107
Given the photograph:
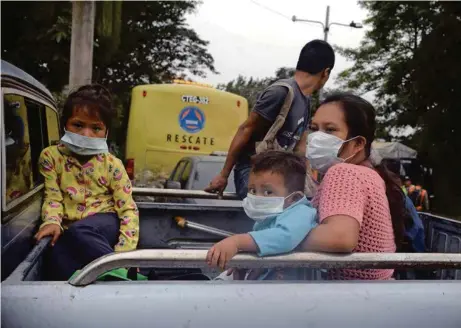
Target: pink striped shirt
359 192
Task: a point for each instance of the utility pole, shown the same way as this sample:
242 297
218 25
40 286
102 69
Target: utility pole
81 49
327 24
326 27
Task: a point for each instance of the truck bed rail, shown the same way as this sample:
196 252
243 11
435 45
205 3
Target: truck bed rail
182 193
196 259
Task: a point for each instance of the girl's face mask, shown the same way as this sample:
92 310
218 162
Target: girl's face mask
323 150
84 146
260 208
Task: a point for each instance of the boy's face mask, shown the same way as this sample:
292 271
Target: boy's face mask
260 208
84 146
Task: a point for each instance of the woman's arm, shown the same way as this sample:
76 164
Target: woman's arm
341 207
336 234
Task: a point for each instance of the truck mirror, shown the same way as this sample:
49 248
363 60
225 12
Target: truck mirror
173 184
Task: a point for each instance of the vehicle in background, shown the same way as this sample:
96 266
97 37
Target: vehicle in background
169 121
196 172
29 123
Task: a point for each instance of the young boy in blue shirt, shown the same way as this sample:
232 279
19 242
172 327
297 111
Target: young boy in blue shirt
282 213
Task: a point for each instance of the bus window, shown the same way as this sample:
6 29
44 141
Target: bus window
26 136
53 127
19 178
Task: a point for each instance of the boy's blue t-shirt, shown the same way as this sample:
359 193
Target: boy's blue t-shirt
284 232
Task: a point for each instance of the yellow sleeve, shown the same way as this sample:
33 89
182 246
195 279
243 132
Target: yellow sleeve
52 209
126 209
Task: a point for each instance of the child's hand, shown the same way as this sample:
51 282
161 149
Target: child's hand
53 230
222 252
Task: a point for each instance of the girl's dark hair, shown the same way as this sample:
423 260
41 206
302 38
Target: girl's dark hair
360 119
95 97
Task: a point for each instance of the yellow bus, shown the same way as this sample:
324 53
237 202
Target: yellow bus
170 121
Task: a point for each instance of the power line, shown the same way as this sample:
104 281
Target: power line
270 9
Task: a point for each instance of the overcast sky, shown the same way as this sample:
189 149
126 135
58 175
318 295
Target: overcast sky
250 40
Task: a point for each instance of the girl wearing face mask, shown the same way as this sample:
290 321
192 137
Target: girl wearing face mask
88 209
360 207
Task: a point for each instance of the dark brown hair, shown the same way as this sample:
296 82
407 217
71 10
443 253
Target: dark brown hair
93 96
316 56
292 167
360 119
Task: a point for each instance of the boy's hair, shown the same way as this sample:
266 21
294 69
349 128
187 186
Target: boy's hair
292 167
316 56
93 96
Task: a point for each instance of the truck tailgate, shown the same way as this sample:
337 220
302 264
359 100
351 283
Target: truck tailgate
234 304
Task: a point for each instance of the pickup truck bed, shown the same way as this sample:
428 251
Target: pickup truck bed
29 302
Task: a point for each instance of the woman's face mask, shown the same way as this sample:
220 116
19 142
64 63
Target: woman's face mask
260 208
84 146
323 150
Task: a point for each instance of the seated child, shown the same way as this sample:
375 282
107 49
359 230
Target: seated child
88 209
282 213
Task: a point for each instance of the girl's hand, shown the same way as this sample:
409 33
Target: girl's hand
53 230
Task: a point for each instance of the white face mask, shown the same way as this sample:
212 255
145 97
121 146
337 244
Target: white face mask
323 149
85 146
260 208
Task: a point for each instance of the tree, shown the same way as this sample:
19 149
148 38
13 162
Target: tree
136 43
250 88
36 38
156 46
151 44
410 57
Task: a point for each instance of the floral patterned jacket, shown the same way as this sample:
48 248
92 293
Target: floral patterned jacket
74 191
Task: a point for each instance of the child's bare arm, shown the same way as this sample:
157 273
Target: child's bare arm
221 253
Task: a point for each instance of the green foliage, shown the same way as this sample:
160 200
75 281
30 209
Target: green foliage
155 45
136 42
410 57
108 27
250 88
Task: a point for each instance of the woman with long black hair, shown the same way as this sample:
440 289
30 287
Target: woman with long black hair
361 207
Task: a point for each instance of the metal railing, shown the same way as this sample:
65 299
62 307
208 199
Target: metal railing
183 223
196 259
182 193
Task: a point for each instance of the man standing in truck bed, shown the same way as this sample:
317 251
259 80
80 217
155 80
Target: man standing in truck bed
315 63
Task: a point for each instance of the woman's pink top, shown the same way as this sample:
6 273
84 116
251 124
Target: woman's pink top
359 192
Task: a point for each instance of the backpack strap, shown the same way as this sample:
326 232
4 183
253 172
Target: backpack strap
281 117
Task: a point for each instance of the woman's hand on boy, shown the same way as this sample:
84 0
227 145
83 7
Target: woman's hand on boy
52 230
221 253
